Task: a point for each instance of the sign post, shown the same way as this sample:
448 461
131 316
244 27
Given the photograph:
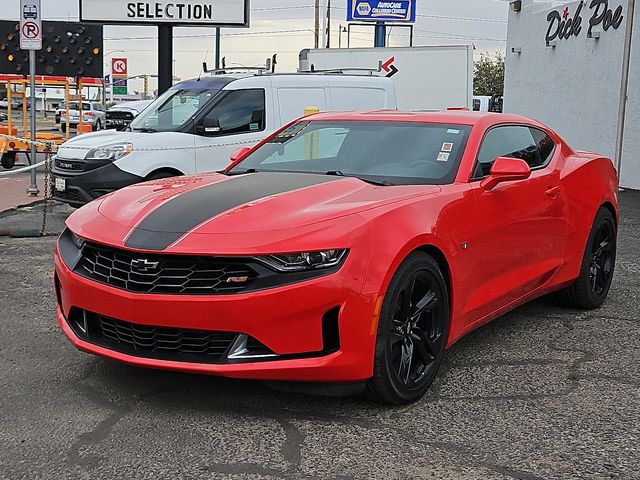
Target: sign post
31 39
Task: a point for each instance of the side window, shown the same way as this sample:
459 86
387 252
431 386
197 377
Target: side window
240 111
508 141
546 146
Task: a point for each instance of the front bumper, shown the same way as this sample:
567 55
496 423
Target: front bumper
288 320
87 180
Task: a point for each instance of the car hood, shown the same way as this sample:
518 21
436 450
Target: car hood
241 212
77 147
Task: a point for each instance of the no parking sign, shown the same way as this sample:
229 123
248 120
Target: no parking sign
30 25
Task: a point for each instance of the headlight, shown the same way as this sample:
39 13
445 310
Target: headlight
77 241
298 262
110 152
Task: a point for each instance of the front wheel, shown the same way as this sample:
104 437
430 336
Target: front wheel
591 288
8 160
412 332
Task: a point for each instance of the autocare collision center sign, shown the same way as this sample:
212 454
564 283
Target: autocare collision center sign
381 10
229 13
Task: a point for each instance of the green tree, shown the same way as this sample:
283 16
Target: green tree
488 75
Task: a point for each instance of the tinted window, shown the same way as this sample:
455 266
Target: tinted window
510 141
396 152
545 144
240 111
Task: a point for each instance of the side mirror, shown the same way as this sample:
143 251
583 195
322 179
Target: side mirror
506 169
209 126
239 154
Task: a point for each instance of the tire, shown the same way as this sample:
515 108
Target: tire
98 126
63 127
411 335
8 160
591 288
160 174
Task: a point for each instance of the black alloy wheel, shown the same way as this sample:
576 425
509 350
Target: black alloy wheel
412 332
591 288
601 267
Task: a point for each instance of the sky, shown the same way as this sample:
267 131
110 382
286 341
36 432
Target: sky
285 27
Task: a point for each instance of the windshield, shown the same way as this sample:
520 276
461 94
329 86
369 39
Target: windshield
172 109
385 152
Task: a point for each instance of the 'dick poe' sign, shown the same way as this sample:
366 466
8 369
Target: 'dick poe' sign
221 13
565 24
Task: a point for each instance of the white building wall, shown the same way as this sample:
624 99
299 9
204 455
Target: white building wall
574 87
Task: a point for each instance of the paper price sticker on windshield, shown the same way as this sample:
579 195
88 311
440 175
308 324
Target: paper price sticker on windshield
447 146
442 157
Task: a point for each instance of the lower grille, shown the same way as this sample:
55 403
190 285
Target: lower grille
162 343
69 195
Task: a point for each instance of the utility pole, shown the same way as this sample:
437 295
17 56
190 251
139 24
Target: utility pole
217 48
328 24
317 25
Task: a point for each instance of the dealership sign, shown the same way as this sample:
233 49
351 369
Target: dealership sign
227 13
565 24
381 11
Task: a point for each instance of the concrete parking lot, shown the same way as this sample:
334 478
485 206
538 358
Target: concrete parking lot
542 393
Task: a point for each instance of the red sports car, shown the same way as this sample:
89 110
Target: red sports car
346 247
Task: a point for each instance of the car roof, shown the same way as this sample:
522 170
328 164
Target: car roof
458 117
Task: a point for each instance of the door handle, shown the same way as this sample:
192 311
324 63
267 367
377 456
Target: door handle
553 192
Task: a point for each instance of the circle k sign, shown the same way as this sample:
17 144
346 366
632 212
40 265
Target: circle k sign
119 66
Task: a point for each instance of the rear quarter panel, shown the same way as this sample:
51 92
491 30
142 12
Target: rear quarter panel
588 181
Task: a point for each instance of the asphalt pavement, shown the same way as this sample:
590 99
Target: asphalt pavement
541 393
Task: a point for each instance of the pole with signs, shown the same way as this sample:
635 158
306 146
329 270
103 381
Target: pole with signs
31 39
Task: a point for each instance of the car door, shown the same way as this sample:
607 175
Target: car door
521 226
237 120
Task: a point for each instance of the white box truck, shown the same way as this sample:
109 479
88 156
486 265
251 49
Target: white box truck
426 78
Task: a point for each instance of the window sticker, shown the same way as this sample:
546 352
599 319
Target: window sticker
447 146
453 131
254 126
442 157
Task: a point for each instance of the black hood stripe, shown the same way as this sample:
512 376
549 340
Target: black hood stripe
173 219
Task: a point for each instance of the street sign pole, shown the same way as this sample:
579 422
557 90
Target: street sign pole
31 39
33 188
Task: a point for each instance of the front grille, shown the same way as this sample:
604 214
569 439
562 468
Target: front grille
168 274
120 116
162 343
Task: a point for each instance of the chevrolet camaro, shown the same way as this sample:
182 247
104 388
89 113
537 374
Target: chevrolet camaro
345 248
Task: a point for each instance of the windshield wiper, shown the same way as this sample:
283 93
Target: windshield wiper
145 130
382 183
241 172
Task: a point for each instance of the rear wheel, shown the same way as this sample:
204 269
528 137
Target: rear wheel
412 332
98 126
8 160
591 288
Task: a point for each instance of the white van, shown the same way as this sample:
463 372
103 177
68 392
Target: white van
197 124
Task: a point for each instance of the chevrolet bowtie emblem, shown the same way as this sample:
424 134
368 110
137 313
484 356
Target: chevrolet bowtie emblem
143 265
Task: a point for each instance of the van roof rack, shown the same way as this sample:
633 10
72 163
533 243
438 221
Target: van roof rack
268 67
340 71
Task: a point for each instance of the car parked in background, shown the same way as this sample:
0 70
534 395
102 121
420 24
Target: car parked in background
93 113
346 247
3 117
120 116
